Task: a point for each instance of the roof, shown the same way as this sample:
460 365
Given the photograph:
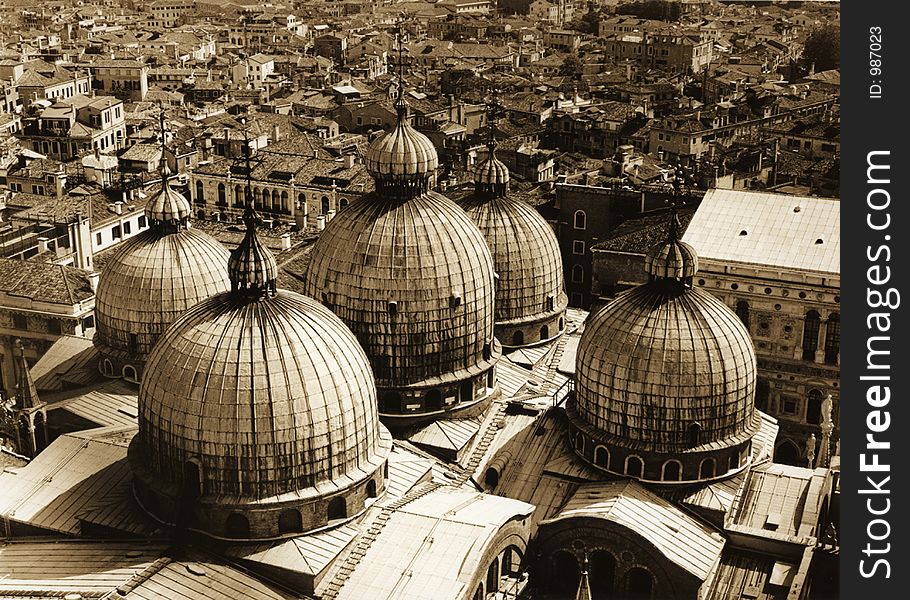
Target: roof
744 574
790 232
44 282
112 403
777 498
66 478
637 236
685 541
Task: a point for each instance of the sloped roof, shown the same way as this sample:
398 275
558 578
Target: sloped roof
44 282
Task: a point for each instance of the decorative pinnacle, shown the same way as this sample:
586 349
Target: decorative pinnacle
162 132
401 106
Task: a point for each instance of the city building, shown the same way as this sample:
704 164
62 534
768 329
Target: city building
76 126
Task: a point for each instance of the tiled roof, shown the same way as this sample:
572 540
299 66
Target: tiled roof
44 282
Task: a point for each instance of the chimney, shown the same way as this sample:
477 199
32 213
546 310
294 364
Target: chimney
320 222
285 241
276 133
329 216
42 244
93 278
349 161
118 207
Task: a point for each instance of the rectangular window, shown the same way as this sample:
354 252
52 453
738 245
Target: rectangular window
789 406
20 321
98 238
578 247
115 232
126 228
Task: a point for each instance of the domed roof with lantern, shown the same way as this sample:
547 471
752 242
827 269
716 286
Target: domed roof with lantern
257 412
530 296
665 373
151 279
408 271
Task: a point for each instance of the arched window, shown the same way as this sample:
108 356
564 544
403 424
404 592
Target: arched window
371 489
581 220
289 521
671 471
562 323
337 508
285 206
493 576
325 205
814 408
565 572
639 584
601 573
634 466
342 203
518 338
129 373
544 332
491 477
238 196
602 457
107 367
832 339
200 192
810 334
222 194
578 274
787 453
707 469
762 394
742 311
580 442
694 434
266 200
511 561
237 526
467 391
433 400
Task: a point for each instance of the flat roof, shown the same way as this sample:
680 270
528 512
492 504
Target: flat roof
776 230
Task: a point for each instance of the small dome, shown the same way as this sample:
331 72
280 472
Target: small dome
252 266
491 176
258 405
526 258
672 259
152 279
413 279
168 205
401 157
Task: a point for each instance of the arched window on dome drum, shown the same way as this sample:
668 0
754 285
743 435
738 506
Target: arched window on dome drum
580 443
200 192
707 469
467 390
562 323
639 584
325 205
671 471
551 302
301 202
733 462
222 194
342 203
107 367
337 508
742 311
192 480
544 332
493 576
433 400
129 373
289 521
832 339
602 457
601 572
134 342
693 434
491 377
237 526
814 407
581 219
634 466
810 334
518 338
371 489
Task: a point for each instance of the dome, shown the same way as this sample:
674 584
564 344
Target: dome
672 259
666 371
530 297
152 279
413 279
401 157
259 405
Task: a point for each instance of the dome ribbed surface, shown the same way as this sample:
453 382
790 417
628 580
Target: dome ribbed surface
525 257
491 175
251 263
672 260
151 280
424 255
661 357
401 154
168 205
271 397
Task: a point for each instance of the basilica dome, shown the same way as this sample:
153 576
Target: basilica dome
410 274
530 299
258 412
665 379
152 279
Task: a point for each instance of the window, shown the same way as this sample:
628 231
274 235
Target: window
141 222
578 274
578 247
20 321
98 238
634 466
814 407
789 406
126 228
810 334
115 232
580 219
672 471
54 327
832 339
742 311
337 508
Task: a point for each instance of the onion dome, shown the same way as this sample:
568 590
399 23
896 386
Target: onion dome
665 379
151 279
530 299
410 274
402 160
257 413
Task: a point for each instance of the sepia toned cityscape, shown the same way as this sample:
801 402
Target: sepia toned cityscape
452 300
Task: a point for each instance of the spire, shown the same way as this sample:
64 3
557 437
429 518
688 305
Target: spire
26 392
167 209
401 106
584 586
672 259
491 177
252 267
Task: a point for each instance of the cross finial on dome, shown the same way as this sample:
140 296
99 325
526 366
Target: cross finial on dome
401 106
168 209
672 259
162 134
